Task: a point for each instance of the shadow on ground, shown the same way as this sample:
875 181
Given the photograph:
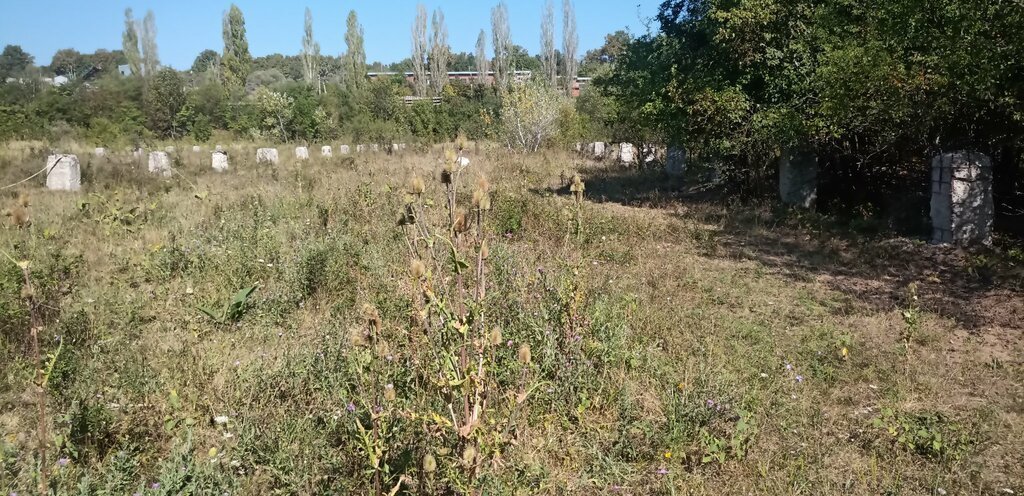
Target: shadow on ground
981 289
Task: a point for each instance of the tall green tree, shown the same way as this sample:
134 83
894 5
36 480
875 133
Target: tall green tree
130 43
14 61
147 37
354 74
164 100
236 61
310 54
440 52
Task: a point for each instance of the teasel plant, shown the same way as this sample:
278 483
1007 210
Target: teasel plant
448 269
36 326
577 188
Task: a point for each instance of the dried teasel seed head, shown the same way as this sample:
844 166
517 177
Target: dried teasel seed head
449 156
469 455
461 224
357 337
26 292
372 316
483 184
416 269
524 354
495 338
389 392
417 186
485 202
19 217
23 200
485 252
446 175
429 463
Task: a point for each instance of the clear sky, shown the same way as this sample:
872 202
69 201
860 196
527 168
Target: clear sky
186 27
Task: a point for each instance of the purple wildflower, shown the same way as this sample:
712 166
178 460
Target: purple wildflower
799 378
789 366
662 471
351 407
155 485
63 461
711 403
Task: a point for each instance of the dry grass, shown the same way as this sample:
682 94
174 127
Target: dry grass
690 310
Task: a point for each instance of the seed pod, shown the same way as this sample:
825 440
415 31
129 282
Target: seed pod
416 186
524 354
389 392
484 250
461 224
483 184
372 316
446 176
417 270
429 463
495 337
469 455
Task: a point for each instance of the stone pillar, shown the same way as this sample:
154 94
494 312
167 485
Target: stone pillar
962 207
170 149
360 148
301 153
627 154
798 178
63 173
266 156
160 163
596 149
375 147
220 161
219 148
196 149
675 161
344 150
326 151
100 152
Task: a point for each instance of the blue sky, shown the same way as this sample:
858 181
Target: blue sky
186 27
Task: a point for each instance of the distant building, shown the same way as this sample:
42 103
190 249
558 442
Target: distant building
473 76
124 70
468 76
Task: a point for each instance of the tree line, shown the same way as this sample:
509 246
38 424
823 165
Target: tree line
308 96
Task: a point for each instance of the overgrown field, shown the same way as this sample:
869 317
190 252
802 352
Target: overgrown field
639 341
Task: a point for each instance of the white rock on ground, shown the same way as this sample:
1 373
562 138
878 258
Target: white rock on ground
160 163
326 151
100 152
63 173
266 156
301 153
170 149
220 161
196 149
344 150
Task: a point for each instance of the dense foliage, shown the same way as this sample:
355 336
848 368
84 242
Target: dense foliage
865 82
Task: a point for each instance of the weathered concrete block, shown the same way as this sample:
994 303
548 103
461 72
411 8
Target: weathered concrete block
798 178
627 153
266 156
344 150
675 161
301 153
63 173
100 152
219 148
170 149
962 207
596 149
326 151
160 163
220 161
375 147
360 148
137 153
196 149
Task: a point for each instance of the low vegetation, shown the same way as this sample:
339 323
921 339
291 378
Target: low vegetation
402 324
